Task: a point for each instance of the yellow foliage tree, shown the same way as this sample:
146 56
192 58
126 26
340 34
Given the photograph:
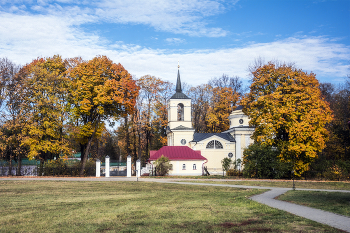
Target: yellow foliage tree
44 108
285 107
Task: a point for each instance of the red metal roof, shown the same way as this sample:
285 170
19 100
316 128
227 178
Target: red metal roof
177 153
152 152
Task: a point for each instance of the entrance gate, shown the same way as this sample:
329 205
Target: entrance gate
116 168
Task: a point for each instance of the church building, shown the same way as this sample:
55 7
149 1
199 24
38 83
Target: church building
207 149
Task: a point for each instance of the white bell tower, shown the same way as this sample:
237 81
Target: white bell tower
179 130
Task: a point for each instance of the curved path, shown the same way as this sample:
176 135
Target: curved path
321 216
268 198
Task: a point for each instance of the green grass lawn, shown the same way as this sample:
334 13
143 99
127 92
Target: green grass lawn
330 201
67 206
337 185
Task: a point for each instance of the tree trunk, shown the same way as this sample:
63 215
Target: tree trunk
19 165
135 142
139 152
10 165
82 151
127 139
134 128
41 167
86 154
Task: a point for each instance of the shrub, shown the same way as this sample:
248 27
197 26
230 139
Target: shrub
336 172
263 162
63 167
226 164
162 166
233 172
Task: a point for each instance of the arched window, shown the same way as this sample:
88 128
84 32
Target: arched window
180 112
194 167
214 144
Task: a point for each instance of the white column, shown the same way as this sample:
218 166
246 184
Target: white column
138 168
238 147
178 167
247 140
98 168
128 166
107 166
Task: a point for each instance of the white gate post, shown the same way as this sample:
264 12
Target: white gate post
138 168
98 168
107 166
128 166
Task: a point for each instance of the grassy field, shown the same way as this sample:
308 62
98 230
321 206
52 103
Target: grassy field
330 201
337 185
63 206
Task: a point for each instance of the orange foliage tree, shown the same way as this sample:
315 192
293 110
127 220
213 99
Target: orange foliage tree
212 103
222 103
100 90
285 107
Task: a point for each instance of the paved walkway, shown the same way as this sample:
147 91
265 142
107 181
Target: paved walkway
321 216
267 198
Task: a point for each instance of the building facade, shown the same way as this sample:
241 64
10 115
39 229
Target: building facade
214 147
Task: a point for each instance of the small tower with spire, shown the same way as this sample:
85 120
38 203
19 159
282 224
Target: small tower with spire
179 130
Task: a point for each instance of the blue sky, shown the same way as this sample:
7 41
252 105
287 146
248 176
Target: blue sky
208 37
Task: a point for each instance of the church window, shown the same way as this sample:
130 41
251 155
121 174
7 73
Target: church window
194 167
183 141
183 166
218 145
230 155
180 112
214 144
210 145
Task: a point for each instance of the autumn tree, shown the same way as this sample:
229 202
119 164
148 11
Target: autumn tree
212 103
223 102
100 90
44 108
226 92
145 128
149 89
337 151
200 96
288 113
12 120
234 82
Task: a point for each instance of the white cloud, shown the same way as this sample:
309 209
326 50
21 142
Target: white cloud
176 16
26 36
175 40
328 60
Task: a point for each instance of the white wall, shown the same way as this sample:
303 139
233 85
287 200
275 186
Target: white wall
189 171
214 156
